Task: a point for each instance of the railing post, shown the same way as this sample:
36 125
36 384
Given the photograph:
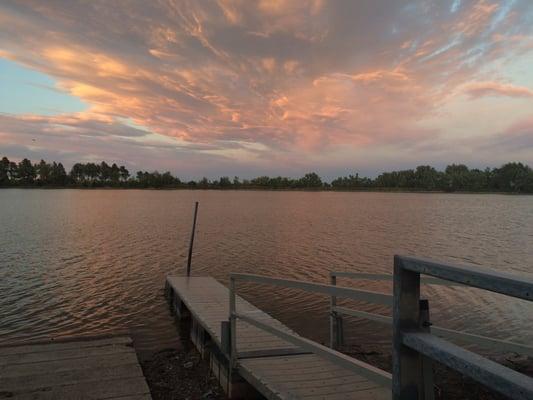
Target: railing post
233 325
225 340
336 333
427 364
333 316
406 363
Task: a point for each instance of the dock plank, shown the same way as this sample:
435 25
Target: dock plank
45 379
96 390
208 301
84 370
278 369
41 356
308 376
70 364
67 345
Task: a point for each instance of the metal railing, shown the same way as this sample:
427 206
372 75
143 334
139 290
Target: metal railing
336 321
411 344
415 344
366 370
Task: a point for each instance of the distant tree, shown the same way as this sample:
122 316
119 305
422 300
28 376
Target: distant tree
77 173
124 173
4 172
351 182
58 175
92 172
457 177
43 170
310 180
224 182
263 181
26 172
104 172
114 174
426 177
513 177
204 182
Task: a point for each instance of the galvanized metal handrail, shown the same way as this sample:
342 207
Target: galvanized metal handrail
481 278
502 379
386 277
480 340
370 372
339 291
336 324
411 344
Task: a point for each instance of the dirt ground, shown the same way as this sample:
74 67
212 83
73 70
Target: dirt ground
180 375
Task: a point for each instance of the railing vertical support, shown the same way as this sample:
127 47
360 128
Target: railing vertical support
427 363
336 332
233 325
333 317
189 258
406 363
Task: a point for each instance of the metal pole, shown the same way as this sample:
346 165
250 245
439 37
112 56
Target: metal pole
232 324
427 363
189 259
333 329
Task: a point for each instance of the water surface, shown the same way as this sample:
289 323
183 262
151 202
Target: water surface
94 261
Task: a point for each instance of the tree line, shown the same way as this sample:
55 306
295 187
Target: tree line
513 177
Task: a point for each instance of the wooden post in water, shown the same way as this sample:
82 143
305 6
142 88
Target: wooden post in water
189 258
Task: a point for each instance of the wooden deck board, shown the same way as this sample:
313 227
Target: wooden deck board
291 377
277 369
87 369
67 345
208 301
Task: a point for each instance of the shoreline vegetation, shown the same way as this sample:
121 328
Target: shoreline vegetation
512 177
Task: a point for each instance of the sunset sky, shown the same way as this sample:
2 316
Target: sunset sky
250 88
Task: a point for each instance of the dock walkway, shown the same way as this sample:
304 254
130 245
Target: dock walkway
105 368
273 367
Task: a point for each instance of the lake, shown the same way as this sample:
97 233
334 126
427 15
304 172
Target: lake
94 261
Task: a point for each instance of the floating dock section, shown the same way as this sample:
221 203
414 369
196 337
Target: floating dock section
266 364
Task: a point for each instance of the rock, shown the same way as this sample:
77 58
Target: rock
188 365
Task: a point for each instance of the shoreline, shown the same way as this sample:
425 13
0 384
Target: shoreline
259 189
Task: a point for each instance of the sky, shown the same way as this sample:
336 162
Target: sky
280 87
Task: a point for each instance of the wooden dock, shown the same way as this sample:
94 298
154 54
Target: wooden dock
266 364
105 368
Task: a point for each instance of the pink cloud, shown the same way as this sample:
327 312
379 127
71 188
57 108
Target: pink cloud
274 80
476 90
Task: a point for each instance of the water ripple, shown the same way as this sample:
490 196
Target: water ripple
92 262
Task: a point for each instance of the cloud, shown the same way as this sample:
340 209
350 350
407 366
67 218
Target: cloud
261 81
518 136
476 90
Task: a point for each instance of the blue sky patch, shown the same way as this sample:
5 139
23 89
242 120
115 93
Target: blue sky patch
25 91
